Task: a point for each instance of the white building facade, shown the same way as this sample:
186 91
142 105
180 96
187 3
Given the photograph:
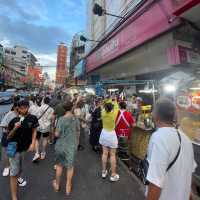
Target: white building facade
99 26
19 58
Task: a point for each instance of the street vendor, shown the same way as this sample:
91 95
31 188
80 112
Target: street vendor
124 121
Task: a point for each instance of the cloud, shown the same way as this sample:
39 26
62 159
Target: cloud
36 37
47 59
13 6
75 7
6 42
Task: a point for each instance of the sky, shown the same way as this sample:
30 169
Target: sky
40 25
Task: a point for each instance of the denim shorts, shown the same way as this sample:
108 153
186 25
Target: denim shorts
15 164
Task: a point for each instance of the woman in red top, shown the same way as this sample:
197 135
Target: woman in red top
124 121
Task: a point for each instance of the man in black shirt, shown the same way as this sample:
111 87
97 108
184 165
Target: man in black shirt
22 130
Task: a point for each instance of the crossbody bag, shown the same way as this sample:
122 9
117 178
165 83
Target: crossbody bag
43 113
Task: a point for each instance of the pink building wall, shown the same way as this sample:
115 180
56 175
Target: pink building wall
136 31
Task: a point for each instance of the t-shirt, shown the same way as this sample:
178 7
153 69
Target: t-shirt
23 135
122 127
163 147
45 121
108 119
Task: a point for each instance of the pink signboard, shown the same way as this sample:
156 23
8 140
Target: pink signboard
181 55
150 24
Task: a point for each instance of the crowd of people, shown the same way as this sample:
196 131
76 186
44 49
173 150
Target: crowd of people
67 122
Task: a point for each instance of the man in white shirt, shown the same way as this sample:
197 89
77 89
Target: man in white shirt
175 183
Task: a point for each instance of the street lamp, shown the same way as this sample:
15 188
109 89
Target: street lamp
98 10
84 39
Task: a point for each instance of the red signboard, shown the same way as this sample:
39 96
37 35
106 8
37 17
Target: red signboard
150 24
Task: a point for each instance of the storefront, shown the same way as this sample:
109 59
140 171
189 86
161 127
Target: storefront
165 49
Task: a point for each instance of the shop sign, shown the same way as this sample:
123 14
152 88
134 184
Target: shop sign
108 49
181 55
190 103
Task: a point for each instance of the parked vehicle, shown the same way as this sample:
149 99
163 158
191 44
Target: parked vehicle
6 97
11 90
23 94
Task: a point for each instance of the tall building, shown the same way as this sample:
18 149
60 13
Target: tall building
19 58
61 68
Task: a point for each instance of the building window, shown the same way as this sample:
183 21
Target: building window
13 52
7 51
23 51
24 57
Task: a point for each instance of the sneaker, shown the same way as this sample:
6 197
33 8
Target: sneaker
114 178
104 174
21 182
36 157
43 156
6 172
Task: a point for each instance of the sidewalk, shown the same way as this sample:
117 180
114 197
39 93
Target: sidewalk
87 185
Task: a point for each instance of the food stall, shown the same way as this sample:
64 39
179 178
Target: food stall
140 138
188 107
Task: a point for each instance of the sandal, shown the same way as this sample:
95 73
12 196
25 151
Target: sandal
68 190
56 187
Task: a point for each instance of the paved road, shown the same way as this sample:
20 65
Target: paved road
88 184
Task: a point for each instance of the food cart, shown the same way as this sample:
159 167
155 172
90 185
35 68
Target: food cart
188 107
140 138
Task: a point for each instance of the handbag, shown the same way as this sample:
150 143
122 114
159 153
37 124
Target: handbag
11 149
144 164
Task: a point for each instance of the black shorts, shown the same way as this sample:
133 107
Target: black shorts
39 134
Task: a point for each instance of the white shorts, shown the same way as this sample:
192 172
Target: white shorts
108 139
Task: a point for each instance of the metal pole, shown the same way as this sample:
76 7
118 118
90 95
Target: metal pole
154 98
114 15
